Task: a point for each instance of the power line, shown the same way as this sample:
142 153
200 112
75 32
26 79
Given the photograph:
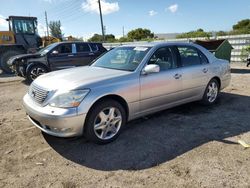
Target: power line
63 12
63 9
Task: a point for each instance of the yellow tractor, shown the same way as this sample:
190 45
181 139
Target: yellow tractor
47 40
21 38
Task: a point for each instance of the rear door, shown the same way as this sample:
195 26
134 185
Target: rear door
85 55
62 57
194 71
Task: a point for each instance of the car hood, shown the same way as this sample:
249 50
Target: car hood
73 78
22 56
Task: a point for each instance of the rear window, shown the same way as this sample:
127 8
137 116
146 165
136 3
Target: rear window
82 47
94 47
189 56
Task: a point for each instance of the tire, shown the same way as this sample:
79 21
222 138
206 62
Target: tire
105 121
34 71
211 93
4 59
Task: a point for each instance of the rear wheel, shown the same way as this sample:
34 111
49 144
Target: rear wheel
211 93
105 122
4 59
35 71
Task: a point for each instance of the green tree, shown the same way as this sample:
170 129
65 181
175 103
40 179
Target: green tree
110 38
98 38
95 38
124 39
194 34
140 34
55 29
221 33
243 25
245 52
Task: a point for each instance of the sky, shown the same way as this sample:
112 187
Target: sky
81 17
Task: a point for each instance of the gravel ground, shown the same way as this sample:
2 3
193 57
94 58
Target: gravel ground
187 146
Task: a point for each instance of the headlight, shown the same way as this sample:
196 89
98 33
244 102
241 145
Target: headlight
69 99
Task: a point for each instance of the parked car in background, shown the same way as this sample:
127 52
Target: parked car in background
125 83
55 57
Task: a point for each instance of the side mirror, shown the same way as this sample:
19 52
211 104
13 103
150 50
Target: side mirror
151 68
55 52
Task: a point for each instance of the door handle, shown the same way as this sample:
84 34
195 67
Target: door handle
205 70
177 76
70 55
91 54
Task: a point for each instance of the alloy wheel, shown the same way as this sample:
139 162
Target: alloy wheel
212 92
37 71
107 123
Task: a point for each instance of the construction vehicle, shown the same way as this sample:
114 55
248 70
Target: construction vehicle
47 40
21 38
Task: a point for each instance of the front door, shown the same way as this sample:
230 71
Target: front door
158 90
62 57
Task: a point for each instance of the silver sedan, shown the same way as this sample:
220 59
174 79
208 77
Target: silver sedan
126 83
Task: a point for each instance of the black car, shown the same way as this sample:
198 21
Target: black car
55 57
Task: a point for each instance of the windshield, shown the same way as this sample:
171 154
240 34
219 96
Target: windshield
24 26
47 49
122 58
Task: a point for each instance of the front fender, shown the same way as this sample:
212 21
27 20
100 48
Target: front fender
30 64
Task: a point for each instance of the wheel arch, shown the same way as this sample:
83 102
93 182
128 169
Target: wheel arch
217 79
114 97
31 64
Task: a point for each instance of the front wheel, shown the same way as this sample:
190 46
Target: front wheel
211 93
105 121
35 71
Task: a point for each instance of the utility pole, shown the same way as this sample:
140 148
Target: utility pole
47 26
123 31
104 30
100 10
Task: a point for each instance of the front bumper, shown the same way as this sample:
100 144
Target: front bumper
58 122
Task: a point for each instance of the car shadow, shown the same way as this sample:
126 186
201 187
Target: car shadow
158 138
26 82
240 71
4 75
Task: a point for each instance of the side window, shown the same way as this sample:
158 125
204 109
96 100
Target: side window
64 49
189 56
203 58
164 58
93 47
82 47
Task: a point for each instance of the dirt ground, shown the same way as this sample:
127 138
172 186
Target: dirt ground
187 146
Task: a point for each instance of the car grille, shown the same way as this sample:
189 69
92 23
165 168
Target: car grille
37 93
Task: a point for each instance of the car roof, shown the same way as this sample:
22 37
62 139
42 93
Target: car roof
69 42
209 55
157 44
